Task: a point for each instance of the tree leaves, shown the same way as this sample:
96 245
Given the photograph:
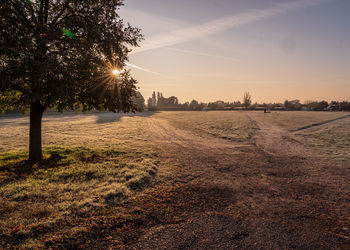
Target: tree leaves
59 52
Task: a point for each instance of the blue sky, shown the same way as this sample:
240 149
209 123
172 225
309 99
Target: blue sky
216 50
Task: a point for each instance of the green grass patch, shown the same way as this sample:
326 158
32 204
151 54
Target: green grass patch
67 180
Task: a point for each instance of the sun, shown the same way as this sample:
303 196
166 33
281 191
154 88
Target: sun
115 72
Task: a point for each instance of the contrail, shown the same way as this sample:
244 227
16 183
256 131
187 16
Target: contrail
143 69
222 24
199 53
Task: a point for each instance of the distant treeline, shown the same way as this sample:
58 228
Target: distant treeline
159 102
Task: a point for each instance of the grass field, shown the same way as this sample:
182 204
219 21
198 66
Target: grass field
96 163
234 126
106 130
91 162
71 178
292 120
331 140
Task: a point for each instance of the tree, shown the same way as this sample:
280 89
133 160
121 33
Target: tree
247 100
194 105
154 100
293 104
149 103
60 54
140 101
172 101
322 105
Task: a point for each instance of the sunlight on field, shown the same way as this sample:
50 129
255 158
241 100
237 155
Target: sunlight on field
98 130
72 179
230 125
91 161
291 120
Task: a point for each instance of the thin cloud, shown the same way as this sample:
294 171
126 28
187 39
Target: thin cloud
141 68
200 53
222 24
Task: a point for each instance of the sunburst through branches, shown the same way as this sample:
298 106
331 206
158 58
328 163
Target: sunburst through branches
109 80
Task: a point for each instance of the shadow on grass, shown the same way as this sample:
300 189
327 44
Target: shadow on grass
15 165
22 169
115 117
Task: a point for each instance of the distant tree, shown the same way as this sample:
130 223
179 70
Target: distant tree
203 105
237 104
194 105
293 104
139 101
161 101
60 54
286 104
185 105
154 99
345 106
247 100
322 105
309 104
212 105
149 103
254 105
172 101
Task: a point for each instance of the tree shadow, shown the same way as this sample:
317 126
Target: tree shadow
110 117
21 170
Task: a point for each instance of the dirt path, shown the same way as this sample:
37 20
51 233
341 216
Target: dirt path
279 142
270 194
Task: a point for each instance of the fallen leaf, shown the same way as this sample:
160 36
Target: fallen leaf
18 228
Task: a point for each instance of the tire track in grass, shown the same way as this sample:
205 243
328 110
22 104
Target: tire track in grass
320 123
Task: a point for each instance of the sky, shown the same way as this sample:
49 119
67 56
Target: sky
212 50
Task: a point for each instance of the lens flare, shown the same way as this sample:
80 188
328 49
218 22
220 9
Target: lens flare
115 72
68 33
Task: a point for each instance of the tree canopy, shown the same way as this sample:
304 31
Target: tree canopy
61 53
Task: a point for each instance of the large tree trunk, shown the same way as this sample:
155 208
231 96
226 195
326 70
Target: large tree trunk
36 114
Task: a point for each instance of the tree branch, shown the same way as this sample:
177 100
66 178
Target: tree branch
64 8
46 11
17 8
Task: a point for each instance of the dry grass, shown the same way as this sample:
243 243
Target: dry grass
92 162
105 130
232 125
73 178
333 141
92 185
292 120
